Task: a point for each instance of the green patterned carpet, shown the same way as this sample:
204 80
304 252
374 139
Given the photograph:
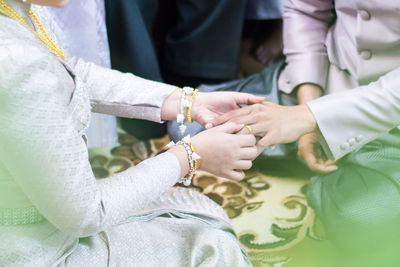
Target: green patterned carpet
268 208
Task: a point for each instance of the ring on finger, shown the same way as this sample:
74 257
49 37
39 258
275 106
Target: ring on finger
249 128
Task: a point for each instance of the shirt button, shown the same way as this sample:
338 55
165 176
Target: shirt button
366 54
359 138
364 14
352 141
344 146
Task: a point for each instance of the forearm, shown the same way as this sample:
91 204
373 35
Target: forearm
171 106
127 193
121 94
308 92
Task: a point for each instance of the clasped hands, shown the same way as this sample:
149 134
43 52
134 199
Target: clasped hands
275 124
226 147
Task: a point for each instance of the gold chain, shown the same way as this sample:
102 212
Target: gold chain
42 35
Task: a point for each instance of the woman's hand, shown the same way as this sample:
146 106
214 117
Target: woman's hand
209 106
275 124
223 152
310 150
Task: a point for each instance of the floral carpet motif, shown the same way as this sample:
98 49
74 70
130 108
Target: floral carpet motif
268 208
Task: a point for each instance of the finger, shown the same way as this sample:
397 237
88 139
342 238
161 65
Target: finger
249 153
249 120
330 168
313 164
230 127
266 56
258 128
243 131
261 54
262 58
309 158
323 168
259 51
247 99
325 162
245 120
230 115
235 175
330 162
243 164
260 149
246 140
267 141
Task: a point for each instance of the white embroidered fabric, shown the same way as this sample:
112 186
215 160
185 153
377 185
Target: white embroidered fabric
133 218
80 30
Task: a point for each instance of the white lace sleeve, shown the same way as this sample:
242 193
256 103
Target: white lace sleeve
122 94
47 157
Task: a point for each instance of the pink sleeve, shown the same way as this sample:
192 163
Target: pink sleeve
306 23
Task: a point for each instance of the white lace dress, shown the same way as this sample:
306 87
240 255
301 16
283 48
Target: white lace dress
52 209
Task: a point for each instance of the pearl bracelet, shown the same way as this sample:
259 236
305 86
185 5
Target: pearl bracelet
180 118
193 158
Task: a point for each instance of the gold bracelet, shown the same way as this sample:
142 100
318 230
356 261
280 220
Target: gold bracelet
195 159
189 110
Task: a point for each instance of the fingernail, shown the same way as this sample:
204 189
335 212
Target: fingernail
209 125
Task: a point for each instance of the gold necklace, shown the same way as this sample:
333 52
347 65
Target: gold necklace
42 35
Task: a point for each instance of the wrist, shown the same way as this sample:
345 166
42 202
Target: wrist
308 92
180 153
188 171
170 107
197 146
309 122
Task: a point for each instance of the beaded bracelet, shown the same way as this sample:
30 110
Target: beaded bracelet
193 158
189 109
180 118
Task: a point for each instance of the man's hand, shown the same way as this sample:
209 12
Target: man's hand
311 151
275 124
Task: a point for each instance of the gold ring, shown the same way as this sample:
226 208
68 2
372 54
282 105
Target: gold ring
249 128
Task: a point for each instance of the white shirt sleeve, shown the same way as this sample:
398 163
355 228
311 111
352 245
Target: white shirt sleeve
351 119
